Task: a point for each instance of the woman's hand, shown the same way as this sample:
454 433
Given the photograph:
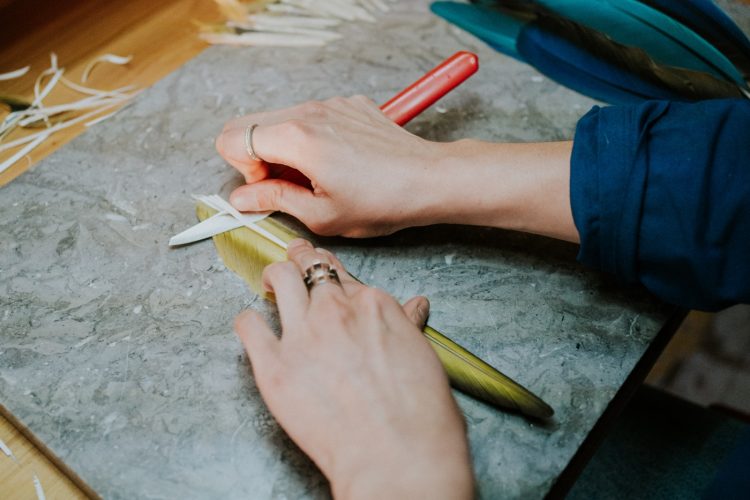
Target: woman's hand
367 174
356 385
369 177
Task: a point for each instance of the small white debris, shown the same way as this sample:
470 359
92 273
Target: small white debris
7 451
449 259
11 75
39 489
537 79
84 342
137 309
115 217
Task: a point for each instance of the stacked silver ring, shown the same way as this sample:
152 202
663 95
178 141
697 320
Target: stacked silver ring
320 273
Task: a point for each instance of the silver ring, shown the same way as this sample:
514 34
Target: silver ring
320 273
249 142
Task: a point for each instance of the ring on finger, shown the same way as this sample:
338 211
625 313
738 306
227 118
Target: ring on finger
320 273
249 142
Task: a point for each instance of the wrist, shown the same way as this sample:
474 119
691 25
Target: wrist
521 187
408 475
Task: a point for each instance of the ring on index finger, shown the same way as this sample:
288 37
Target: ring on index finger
249 142
320 273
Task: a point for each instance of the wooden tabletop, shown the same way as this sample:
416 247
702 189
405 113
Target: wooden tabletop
160 36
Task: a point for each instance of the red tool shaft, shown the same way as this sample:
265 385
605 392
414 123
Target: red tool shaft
421 94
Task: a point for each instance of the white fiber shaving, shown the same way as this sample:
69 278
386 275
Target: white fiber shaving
11 75
263 39
38 488
59 126
93 105
23 152
293 21
288 16
100 119
220 204
5 449
110 58
263 28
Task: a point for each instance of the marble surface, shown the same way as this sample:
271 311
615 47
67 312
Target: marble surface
117 351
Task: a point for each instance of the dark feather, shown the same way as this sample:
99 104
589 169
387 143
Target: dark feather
631 22
589 62
709 21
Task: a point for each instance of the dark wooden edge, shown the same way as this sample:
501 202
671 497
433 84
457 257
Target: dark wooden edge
596 436
44 450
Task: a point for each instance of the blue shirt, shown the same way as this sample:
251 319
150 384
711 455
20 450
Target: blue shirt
660 194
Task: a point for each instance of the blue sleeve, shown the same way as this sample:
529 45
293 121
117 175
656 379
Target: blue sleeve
660 194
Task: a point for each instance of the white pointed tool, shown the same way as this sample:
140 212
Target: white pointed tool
226 219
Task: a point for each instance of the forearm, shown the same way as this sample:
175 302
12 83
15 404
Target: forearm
523 187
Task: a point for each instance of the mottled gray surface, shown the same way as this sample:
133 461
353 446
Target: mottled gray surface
117 351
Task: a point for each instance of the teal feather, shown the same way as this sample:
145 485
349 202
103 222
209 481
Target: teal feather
631 22
580 57
493 27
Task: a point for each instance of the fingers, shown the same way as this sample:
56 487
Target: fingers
260 343
284 196
235 153
347 281
285 136
284 279
417 309
302 253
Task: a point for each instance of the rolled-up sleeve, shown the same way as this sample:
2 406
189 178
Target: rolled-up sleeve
660 194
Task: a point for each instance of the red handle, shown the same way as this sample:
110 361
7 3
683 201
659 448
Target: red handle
421 94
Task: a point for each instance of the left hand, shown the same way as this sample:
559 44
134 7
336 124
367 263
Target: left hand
362 175
356 385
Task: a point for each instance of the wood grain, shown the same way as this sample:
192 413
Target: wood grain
159 35
17 475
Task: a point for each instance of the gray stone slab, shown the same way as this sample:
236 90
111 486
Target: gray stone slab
117 351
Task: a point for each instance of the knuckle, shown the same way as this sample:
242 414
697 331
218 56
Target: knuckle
271 197
296 130
337 101
374 300
363 99
315 109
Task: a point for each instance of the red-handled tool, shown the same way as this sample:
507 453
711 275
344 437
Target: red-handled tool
423 93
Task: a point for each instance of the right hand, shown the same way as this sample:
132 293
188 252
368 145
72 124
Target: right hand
357 386
368 176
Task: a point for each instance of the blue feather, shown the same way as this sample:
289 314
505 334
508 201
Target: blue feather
581 58
709 21
633 23
576 68
496 29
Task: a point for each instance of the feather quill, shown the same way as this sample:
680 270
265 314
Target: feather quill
247 253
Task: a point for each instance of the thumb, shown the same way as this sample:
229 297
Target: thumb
417 309
275 195
260 343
